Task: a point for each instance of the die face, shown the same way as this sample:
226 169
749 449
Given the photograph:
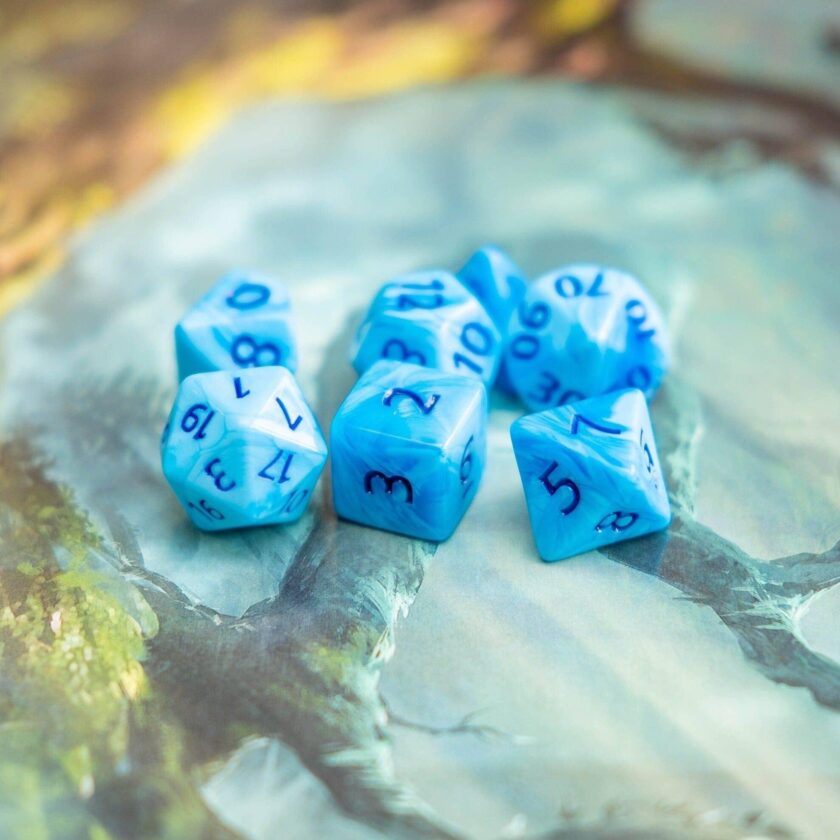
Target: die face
242 448
498 283
430 319
584 330
591 474
242 322
408 450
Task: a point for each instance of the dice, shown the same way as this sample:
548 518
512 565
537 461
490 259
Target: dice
408 449
591 473
584 330
496 281
242 448
242 322
428 318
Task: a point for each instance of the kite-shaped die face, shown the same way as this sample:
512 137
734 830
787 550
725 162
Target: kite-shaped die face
591 474
584 330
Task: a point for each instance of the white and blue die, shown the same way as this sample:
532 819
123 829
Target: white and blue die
591 473
408 449
429 318
584 330
242 448
244 321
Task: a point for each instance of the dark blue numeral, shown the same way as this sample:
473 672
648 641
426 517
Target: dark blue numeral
203 508
549 386
477 339
466 467
284 472
424 405
553 487
218 476
248 296
607 430
297 420
536 316
617 520
237 386
483 346
417 302
191 420
569 286
294 500
406 355
246 351
435 284
637 315
525 346
390 481
594 289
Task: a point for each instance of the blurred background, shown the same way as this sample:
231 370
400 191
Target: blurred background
97 95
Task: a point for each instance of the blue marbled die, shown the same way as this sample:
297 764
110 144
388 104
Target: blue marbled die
584 330
428 318
242 322
591 473
408 449
498 283
242 448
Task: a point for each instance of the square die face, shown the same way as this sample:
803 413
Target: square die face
408 450
591 474
242 322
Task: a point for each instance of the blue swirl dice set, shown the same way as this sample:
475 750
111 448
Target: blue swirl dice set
583 345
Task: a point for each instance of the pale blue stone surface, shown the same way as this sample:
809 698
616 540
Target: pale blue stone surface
242 448
584 330
429 318
242 322
408 449
591 474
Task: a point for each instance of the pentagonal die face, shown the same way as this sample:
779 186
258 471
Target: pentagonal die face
242 448
242 322
591 474
584 330
408 449
432 320
496 281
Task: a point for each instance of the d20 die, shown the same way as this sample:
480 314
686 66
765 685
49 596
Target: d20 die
242 448
430 319
408 449
585 330
591 474
242 322
492 276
